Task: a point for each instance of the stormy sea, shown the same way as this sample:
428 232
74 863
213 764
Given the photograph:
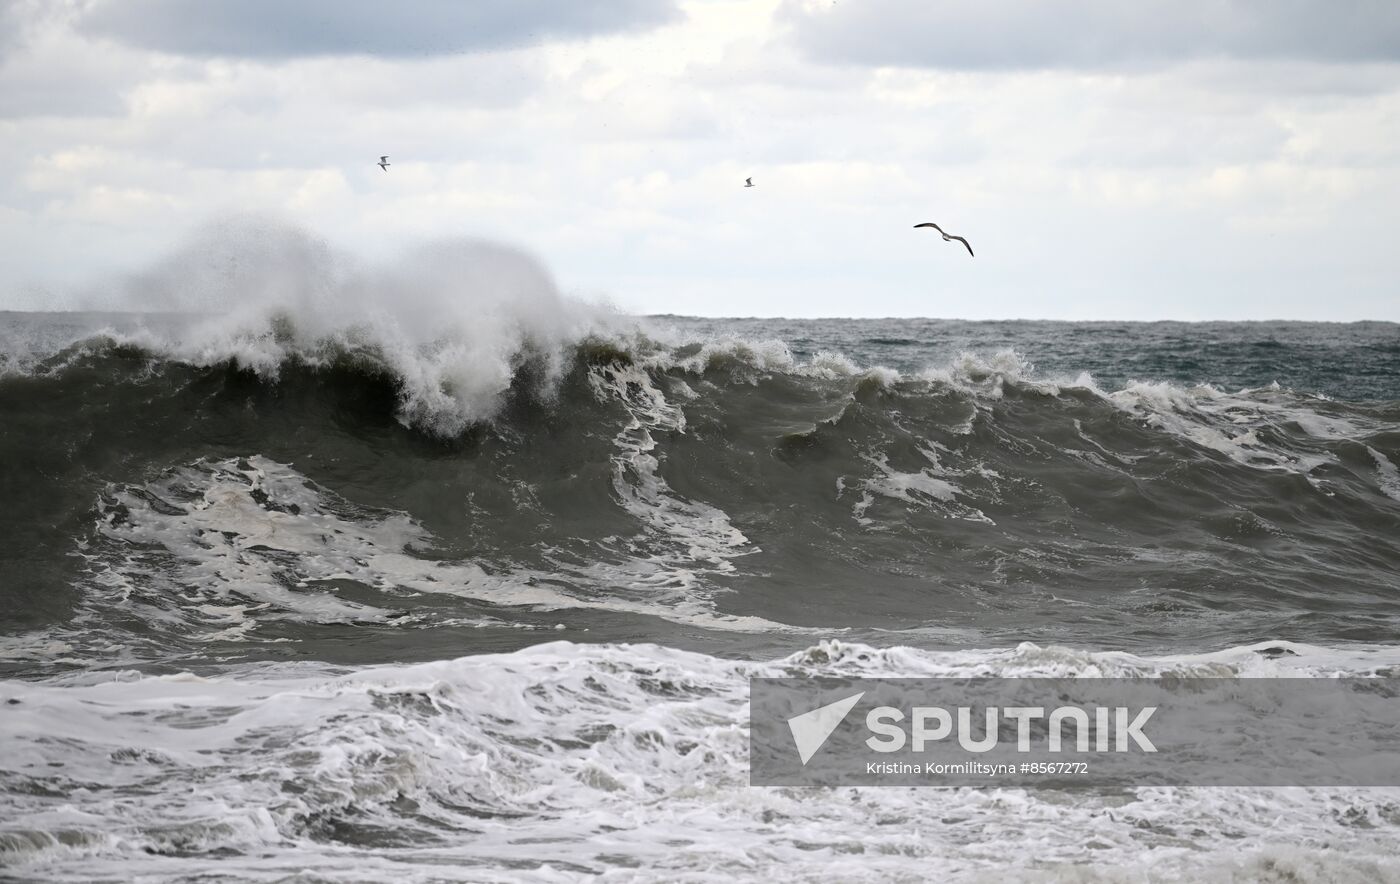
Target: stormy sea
431 572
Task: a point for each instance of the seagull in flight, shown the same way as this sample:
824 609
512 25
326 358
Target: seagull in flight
947 237
748 182
384 163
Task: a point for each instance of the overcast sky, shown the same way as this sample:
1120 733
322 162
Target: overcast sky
1221 159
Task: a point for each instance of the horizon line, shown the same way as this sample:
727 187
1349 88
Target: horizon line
785 318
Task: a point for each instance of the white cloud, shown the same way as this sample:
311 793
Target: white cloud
46 71
1207 187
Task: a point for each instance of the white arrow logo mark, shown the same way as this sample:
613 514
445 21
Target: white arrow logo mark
811 729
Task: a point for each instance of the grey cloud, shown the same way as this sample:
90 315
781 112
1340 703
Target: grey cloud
29 90
46 72
14 16
277 29
1033 34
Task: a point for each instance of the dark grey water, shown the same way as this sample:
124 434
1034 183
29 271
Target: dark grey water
467 594
1353 361
733 486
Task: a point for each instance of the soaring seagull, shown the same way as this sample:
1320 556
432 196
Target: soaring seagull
384 163
947 237
748 182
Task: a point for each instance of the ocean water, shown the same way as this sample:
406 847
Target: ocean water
432 572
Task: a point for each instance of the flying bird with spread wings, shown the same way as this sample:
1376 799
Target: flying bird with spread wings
947 237
748 182
384 163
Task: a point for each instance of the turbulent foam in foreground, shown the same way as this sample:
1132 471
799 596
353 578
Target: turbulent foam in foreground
566 761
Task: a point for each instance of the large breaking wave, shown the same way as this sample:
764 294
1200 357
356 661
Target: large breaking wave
256 472
252 528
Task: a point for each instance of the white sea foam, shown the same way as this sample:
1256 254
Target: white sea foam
1388 477
928 487
665 349
1266 428
451 321
684 540
985 375
564 761
225 548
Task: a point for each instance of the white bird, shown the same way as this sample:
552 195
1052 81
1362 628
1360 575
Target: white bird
748 182
947 237
384 163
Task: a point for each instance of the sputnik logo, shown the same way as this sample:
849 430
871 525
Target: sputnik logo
810 730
